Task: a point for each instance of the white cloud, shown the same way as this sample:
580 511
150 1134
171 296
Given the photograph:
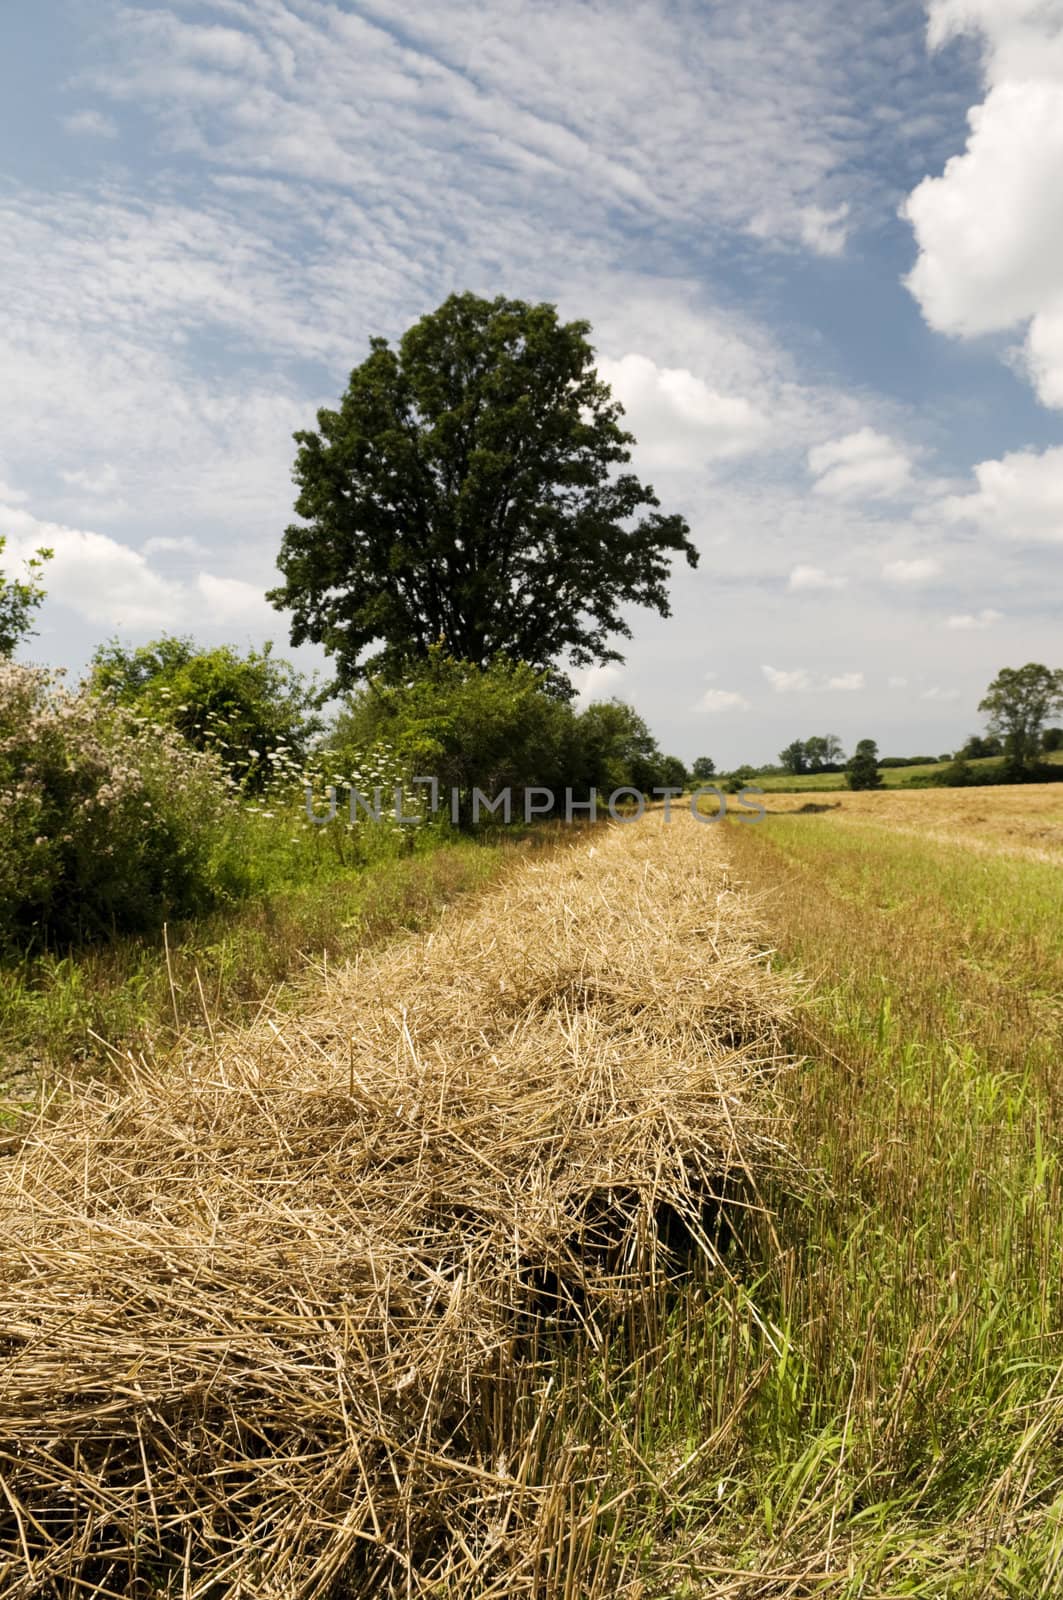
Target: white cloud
10 496
803 577
790 681
110 585
102 481
974 619
937 693
678 420
182 545
99 579
847 682
596 683
862 465
897 683
920 569
91 125
990 228
231 602
825 232
714 700
416 101
798 680
1019 497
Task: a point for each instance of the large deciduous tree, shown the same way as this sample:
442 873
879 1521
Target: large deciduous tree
1017 703
470 489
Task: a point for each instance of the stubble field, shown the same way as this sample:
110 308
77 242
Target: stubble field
423 1289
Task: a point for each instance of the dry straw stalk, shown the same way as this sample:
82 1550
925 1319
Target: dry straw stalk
269 1310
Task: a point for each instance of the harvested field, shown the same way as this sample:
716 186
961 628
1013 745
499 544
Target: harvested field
272 1313
1024 820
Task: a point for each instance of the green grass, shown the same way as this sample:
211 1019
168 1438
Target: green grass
873 1405
312 898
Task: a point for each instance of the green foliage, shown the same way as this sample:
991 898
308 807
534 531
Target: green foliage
890 762
254 711
501 726
1052 740
703 769
673 773
821 753
1017 703
861 771
19 599
737 780
467 491
979 748
616 750
491 728
107 823
795 757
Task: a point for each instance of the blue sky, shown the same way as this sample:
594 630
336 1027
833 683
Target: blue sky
820 245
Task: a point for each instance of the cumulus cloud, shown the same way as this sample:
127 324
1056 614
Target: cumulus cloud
920 569
990 229
714 700
797 680
862 465
787 681
1019 497
847 682
111 585
936 692
896 682
974 619
678 420
96 577
803 577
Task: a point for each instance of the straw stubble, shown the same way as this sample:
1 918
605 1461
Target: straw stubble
271 1311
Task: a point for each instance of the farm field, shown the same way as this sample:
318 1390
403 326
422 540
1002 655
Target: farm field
892 777
1009 820
408 1242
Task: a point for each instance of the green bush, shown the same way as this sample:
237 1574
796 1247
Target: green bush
489 728
616 750
255 711
108 823
501 726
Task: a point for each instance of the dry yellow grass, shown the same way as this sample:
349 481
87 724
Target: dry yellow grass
1024 820
268 1313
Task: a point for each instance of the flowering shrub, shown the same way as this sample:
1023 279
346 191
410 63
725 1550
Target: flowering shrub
108 823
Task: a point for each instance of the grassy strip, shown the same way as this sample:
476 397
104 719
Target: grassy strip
901 1433
138 993
872 1405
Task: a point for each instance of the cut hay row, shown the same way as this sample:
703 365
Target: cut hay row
268 1312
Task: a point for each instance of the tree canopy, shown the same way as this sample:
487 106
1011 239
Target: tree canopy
861 770
1017 704
469 489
